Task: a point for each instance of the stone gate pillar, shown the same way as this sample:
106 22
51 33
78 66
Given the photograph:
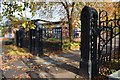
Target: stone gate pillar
88 62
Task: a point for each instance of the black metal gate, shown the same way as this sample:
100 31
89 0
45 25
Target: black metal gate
108 43
100 43
32 40
52 39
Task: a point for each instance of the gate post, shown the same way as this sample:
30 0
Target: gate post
88 62
30 40
21 38
38 42
17 38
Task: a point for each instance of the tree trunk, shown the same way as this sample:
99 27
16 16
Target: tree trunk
69 16
70 28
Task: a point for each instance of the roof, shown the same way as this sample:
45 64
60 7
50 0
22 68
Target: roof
42 22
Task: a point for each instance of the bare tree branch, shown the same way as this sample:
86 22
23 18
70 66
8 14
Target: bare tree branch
72 7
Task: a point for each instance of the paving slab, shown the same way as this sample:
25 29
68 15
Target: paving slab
11 73
15 70
1 58
19 64
63 65
0 74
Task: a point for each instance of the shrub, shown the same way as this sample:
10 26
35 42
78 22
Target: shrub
69 45
8 41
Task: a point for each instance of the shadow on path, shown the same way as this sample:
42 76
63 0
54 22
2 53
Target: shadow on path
63 65
72 55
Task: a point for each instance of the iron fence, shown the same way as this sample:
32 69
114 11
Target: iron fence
100 43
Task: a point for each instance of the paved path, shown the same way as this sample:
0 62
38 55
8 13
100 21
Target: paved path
62 65
17 68
0 57
13 69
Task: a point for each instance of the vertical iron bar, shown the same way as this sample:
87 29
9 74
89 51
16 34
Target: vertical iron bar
106 35
104 40
17 38
30 40
115 44
41 41
119 47
111 34
103 32
99 33
34 32
61 39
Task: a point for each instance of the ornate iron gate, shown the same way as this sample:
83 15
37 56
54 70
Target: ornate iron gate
100 43
108 43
